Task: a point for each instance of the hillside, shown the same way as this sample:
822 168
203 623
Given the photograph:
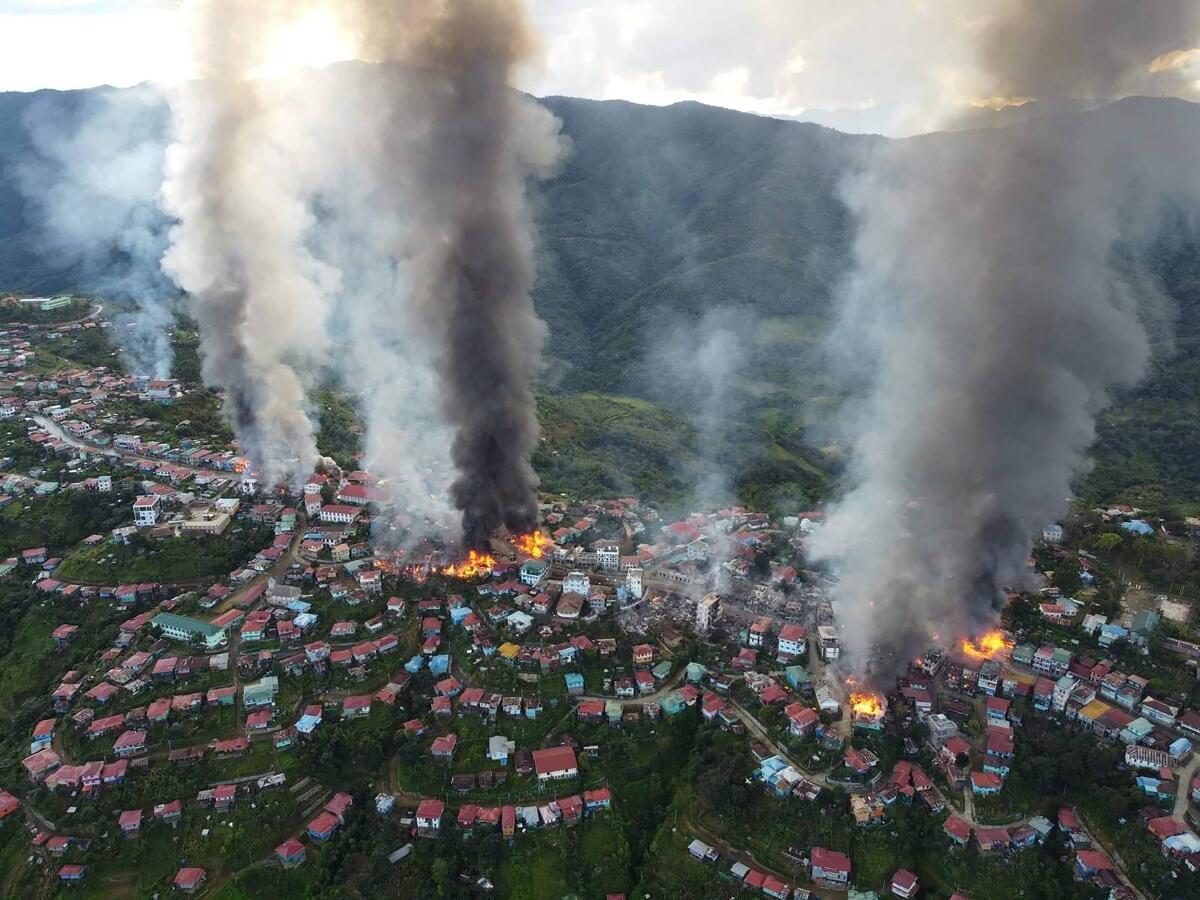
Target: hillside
689 259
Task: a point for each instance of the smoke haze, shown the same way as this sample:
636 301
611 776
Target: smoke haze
238 249
469 257
993 324
92 189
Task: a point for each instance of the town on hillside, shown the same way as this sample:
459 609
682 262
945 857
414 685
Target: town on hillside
212 685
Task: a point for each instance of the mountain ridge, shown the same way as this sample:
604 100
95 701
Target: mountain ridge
663 216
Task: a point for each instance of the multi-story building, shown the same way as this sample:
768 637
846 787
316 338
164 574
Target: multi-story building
145 511
708 611
827 642
608 555
577 583
633 582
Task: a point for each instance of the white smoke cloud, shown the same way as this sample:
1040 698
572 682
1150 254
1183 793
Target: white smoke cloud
90 186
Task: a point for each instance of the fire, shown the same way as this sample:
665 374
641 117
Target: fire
986 646
533 544
475 565
866 705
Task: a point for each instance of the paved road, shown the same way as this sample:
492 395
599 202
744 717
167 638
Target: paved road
112 453
666 688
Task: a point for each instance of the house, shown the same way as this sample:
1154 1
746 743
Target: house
793 640
555 763
957 830
130 743
499 748
130 822
429 817
905 884
189 879
146 511
985 783
1090 863
802 720
290 853
323 826
992 840
356 706
830 867
443 747
223 796
71 872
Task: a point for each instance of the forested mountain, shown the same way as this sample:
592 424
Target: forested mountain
684 241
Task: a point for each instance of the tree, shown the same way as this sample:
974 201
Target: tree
439 871
1068 576
1108 542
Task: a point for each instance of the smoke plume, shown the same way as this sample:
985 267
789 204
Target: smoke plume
995 316
469 260
91 185
697 368
238 250
387 368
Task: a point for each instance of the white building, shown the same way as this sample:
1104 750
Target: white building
1062 692
338 513
1052 534
633 582
608 554
104 484
793 640
697 550
577 583
708 610
145 511
941 729
827 641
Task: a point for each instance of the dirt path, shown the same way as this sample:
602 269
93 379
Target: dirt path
1186 774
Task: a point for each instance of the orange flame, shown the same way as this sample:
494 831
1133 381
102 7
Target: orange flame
533 544
474 566
986 646
866 705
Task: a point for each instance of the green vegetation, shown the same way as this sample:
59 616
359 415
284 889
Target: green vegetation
166 560
58 521
13 312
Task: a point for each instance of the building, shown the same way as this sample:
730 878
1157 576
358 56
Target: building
905 884
793 640
145 511
827 642
830 867
555 763
533 571
340 514
633 582
429 817
189 879
185 628
290 853
708 611
577 583
608 554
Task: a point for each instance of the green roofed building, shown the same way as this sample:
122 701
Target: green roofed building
185 628
260 693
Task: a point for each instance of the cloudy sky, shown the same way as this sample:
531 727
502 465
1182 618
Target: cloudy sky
890 65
